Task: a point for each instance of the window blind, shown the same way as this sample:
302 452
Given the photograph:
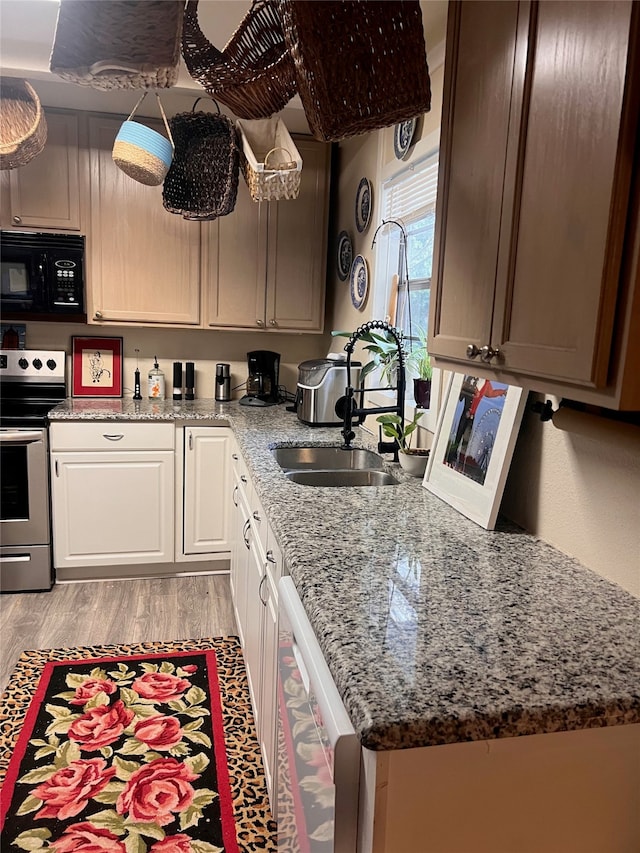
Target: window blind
413 192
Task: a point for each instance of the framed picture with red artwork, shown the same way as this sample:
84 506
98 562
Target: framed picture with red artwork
96 367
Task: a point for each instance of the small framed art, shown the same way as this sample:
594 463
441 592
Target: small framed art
473 445
96 367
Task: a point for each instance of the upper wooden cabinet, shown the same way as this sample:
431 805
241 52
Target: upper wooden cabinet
264 265
45 194
537 226
144 262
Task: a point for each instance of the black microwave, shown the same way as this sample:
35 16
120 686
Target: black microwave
42 276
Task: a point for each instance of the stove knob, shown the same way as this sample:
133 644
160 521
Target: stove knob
37 363
51 364
23 363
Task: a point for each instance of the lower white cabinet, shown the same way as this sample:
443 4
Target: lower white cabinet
205 506
256 566
112 494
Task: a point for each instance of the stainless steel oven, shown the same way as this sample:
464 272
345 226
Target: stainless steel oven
31 383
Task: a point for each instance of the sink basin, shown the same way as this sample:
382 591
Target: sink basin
327 459
342 477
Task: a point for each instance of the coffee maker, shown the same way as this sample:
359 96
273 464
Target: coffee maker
262 383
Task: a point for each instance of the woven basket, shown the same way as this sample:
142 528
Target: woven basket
202 182
118 44
141 152
23 127
359 65
254 74
269 159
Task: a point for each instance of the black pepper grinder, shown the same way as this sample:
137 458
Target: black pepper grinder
190 381
177 380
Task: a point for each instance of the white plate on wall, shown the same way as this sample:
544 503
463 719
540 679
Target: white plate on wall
359 281
344 257
403 137
364 205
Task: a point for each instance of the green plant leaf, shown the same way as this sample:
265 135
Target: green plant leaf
198 737
124 769
109 819
205 847
197 763
32 839
167 667
151 830
195 696
39 774
30 804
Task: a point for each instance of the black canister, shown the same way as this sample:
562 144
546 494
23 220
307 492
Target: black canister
223 383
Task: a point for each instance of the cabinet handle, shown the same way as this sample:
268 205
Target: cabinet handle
113 437
272 323
57 468
243 479
234 456
264 601
256 515
190 440
245 533
270 557
233 495
260 322
488 352
472 351
98 315
17 220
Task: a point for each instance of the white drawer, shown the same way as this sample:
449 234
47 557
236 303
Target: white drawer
111 435
259 523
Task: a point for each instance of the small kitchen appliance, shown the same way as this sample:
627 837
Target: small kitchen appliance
32 383
223 383
262 383
42 276
321 387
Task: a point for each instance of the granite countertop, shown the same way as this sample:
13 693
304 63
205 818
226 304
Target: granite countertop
435 630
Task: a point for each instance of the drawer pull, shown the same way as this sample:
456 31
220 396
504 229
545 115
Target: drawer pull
264 601
190 440
243 478
234 456
245 533
472 351
487 353
256 515
233 495
270 557
114 437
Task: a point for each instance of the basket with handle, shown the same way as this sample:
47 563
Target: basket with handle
23 127
202 183
253 75
118 44
270 162
141 152
359 66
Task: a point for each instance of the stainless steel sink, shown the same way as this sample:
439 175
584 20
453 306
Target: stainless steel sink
327 459
344 477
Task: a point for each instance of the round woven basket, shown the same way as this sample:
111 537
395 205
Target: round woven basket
142 153
23 127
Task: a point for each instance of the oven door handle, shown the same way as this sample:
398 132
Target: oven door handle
20 437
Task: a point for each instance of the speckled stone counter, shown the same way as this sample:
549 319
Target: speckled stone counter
435 630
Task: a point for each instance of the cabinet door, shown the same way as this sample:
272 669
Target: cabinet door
298 247
46 192
206 501
256 578
112 508
234 264
240 564
475 124
566 191
269 709
144 261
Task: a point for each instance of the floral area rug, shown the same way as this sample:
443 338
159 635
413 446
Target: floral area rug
144 748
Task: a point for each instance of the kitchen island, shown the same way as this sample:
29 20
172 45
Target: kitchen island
436 631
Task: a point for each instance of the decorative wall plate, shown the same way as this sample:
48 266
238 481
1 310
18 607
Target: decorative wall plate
364 205
359 281
345 255
403 136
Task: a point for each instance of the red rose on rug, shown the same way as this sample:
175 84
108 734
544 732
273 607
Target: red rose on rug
87 838
160 686
156 791
69 790
89 688
100 726
158 732
172 844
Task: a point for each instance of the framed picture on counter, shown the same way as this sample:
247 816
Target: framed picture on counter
96 367
473 445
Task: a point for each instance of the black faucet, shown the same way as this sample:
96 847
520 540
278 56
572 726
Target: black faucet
352 411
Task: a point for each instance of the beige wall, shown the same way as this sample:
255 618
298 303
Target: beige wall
580 494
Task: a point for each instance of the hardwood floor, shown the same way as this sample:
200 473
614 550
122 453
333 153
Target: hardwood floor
84 614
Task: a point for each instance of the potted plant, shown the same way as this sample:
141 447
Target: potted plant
419 363
383 354
412 459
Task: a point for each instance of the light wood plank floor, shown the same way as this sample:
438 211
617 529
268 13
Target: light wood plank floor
128 611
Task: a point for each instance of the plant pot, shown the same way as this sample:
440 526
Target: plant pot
413 462
422 392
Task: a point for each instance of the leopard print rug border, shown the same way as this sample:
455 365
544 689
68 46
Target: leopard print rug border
255 829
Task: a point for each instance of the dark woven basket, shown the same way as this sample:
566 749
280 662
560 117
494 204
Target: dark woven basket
359 65
254 74
118 44
202 182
